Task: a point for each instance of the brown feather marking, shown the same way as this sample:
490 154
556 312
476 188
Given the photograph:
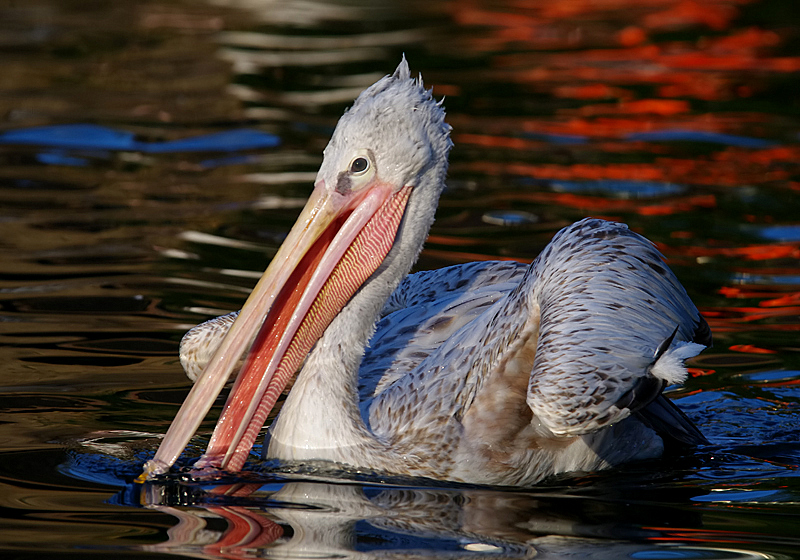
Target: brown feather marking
499 418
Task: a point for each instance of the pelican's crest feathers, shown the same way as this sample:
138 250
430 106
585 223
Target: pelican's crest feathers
399 121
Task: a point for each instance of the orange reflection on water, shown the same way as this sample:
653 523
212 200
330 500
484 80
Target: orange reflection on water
750 349
757 252
780 312
705 536
629 76
716 15
700 372
790 299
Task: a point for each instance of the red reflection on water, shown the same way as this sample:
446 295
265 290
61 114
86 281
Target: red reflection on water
758 252
686 13
750 349
628 76
729 167
790 299
660 107
752 314
700 372
590 91
734 292
247 528
720 536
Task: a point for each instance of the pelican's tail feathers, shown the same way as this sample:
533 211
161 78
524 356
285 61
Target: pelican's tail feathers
669 365
669 422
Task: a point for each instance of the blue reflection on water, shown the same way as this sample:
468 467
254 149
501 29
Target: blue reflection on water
692 553
680 135
789 232
725 495
59 157
750 279
619 188
509 218
95 137
74 136
772 376
563 139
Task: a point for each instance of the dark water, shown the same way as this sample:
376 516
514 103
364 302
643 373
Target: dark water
152 156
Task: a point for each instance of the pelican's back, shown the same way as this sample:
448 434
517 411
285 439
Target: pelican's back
499 359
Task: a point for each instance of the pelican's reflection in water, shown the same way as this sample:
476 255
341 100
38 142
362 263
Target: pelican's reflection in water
321 519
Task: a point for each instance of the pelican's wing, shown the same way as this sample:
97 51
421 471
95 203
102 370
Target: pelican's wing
199 344
608 309
425 310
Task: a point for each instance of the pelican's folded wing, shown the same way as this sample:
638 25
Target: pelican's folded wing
608 309
199 344
425 311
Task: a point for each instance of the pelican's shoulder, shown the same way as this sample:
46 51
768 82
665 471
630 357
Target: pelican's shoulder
446 284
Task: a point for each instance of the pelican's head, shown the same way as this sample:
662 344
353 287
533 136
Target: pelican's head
392 142
394 133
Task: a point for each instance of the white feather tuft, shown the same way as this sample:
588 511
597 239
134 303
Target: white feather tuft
402 71
670 367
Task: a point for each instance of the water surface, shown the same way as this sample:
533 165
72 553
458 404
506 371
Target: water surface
154 155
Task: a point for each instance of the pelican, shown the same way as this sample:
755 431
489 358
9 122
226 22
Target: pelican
490 373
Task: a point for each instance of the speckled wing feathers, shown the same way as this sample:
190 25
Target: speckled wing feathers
425 311
427 411
199 344
607 302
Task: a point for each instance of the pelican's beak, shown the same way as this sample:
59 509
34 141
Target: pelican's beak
337 243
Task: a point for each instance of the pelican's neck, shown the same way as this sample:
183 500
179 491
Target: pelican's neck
321 418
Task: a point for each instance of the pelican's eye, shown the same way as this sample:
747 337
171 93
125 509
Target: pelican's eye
359 165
